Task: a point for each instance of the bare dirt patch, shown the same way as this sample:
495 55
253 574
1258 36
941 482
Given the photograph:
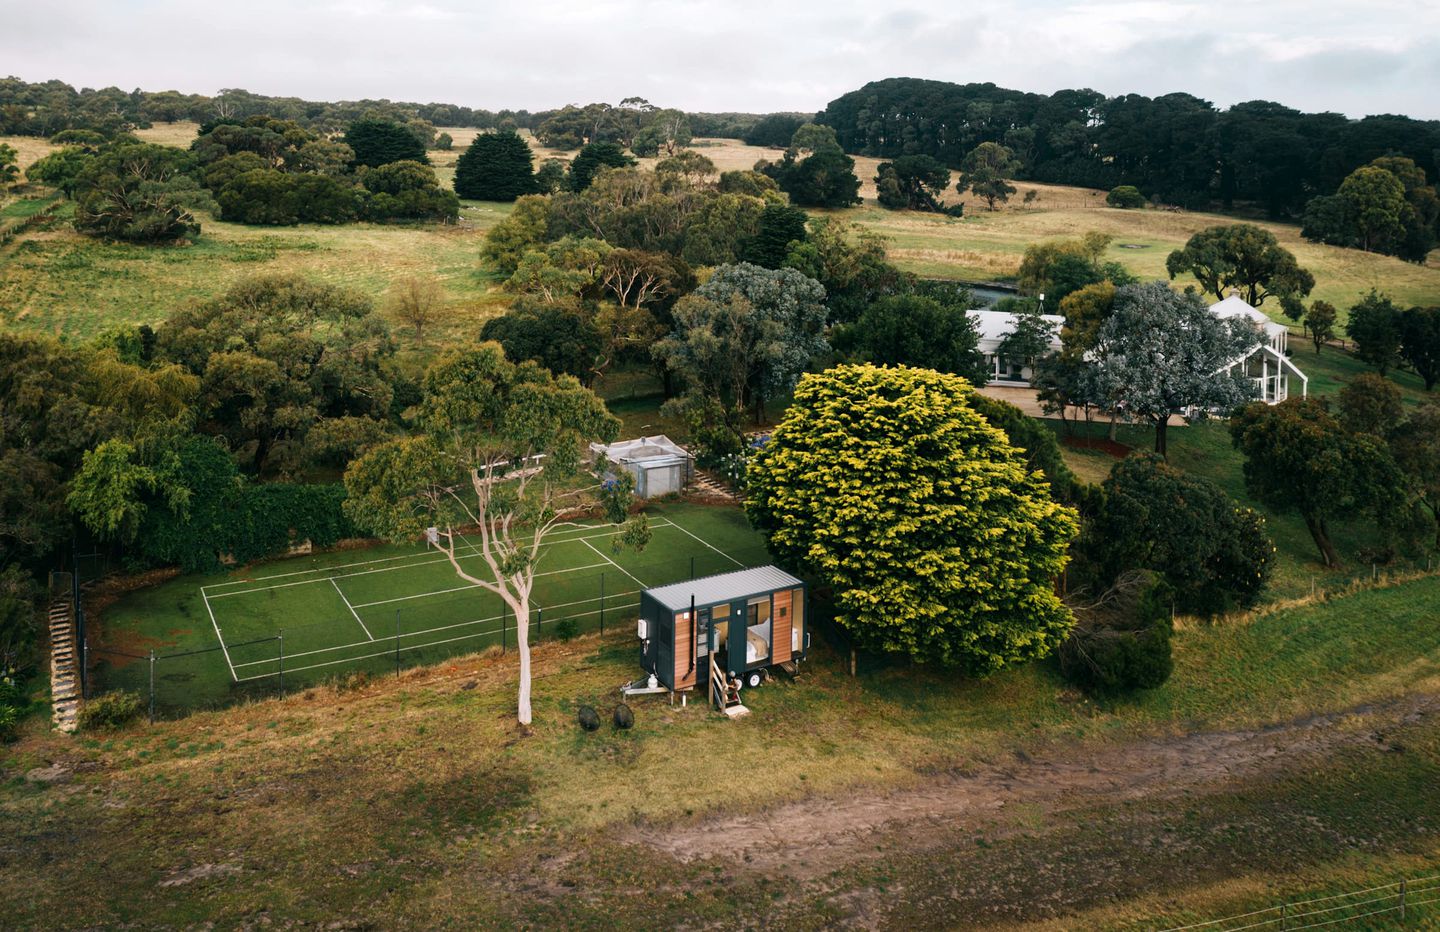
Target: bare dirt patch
1102 444
809 839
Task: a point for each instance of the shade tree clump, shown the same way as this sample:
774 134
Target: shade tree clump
1213 554
292 373
139 192
984 171
1299 458
1374 325
497 464
911 182
915 330
1387 206
594 157
815 171
268 171
1161 353
937 541
745 336
1058 268
1244 257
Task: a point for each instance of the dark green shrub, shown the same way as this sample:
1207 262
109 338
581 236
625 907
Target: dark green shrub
567 629
111 710
1214 553
1122 643
592 158
1125 196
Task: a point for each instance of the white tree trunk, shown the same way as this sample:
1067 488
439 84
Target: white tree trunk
522 646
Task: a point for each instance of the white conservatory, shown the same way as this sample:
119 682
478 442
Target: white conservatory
1266 365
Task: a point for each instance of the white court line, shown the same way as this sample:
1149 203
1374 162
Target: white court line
722 553
352 609
387 569
614 564
403 598
218 636
436 630
459 624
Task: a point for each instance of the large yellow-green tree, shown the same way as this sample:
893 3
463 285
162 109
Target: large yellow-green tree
888 487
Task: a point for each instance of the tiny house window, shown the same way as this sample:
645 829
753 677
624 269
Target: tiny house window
757 630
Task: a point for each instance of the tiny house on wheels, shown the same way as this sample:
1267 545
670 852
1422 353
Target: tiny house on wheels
723 632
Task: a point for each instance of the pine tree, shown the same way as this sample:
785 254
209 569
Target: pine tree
496 167
380 142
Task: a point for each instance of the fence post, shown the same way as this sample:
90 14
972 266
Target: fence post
1402 900
602 604
152 686
504 611
84 659
539 620
397 643
281 638
1284 909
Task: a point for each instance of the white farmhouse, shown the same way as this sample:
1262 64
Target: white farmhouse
993 327
1266 365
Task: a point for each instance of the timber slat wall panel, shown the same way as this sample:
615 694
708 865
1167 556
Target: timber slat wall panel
780 628
684 650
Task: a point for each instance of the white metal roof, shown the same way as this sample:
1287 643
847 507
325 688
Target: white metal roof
994 326
724 587
1235 306
641 450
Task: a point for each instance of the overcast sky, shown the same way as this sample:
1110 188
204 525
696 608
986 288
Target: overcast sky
1375 56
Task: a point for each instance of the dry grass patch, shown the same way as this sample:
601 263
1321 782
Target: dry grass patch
178 134
28 149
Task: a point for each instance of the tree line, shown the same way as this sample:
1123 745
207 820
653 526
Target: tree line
1176 147
45 108
258 171
48 107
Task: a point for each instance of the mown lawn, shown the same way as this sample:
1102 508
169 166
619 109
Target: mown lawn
416 803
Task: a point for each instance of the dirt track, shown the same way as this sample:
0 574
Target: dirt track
809 839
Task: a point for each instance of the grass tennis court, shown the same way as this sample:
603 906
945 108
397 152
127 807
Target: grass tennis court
226 636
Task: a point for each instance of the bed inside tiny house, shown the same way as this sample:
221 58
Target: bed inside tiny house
723 630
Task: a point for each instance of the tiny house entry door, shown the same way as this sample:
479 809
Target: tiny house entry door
720 637
702 634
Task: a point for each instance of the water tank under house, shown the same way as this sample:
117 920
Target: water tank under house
660 466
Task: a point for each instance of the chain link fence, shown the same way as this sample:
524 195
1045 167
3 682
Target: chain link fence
421 631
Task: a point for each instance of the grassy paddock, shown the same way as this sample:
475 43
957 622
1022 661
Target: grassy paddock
61 283
415 804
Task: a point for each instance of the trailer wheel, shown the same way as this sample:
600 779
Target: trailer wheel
754 678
